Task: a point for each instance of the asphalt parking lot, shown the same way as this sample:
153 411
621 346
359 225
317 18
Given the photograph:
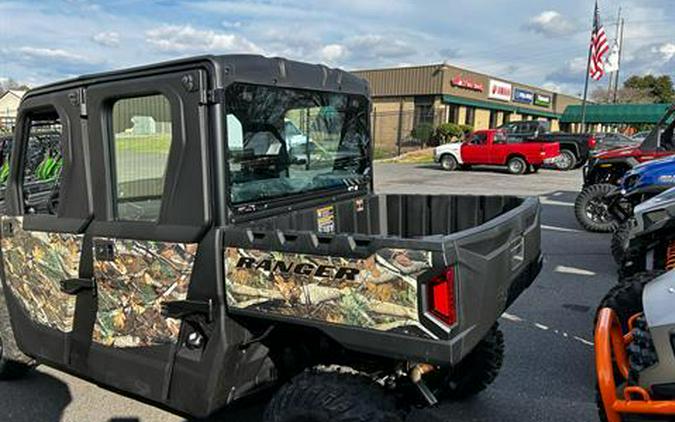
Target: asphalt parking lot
548 370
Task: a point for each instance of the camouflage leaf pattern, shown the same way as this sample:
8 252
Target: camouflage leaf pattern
383 296
132 287
35 263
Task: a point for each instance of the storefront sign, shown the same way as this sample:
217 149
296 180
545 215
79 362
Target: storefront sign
500 90
523 96
461 82
542 100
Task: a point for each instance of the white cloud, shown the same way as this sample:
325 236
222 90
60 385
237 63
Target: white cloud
667 51
186 39
333 52
53 54
572 71
107 39
551 23
379 46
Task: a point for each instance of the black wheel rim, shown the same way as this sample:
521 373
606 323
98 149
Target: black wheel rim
597 211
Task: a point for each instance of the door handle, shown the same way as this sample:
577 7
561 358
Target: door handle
73 286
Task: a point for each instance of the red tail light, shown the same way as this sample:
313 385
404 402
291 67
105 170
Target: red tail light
441 297
592 142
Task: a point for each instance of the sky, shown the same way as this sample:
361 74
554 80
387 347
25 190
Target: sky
538 42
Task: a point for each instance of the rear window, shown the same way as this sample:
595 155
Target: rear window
284 142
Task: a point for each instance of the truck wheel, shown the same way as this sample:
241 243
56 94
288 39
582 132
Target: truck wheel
620 239
566 160
331 397
478 369
591 208
10 370
516 165
448 162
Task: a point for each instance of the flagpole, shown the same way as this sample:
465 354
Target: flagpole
611 77
616 83
583 102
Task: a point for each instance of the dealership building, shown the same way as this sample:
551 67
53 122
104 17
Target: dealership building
405 97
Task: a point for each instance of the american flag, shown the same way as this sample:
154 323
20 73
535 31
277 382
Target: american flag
599 47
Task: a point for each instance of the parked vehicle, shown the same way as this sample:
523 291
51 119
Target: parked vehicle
492 147
604 171
638 185
191 261
651 243
635 350
640 136
575 149
607 141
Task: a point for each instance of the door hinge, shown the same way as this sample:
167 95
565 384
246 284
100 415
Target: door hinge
104 250
213 96
7 228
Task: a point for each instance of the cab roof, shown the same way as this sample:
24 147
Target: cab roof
226 69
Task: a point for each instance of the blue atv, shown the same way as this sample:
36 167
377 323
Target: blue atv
641 183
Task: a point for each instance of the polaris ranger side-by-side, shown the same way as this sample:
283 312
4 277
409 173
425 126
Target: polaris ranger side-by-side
197 250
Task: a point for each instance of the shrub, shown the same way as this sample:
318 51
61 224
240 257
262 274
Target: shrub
447 132
423 132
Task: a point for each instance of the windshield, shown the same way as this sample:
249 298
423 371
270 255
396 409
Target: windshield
289 141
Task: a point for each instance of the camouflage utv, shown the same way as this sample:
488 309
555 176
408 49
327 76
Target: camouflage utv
212 231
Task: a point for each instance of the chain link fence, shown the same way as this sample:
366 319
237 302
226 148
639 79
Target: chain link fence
400 131
7 124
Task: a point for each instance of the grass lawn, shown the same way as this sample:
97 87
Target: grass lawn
143 144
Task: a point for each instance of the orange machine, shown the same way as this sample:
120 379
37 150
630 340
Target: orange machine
610 342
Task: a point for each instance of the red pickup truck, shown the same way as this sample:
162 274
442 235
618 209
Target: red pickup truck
494 148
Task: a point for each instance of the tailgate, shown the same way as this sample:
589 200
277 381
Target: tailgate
368 290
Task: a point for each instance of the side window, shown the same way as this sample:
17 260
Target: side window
478 139
43 161
5 158
141 128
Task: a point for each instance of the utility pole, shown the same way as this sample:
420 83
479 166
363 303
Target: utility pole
616 82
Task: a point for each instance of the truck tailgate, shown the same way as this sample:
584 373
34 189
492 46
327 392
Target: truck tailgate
359 270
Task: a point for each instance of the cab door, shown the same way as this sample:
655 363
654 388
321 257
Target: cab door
152 213
47 211
499 148
476 150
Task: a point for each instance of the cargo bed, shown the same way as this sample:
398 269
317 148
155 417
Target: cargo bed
365 266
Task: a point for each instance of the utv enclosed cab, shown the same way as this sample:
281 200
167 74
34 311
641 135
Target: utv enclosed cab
213 229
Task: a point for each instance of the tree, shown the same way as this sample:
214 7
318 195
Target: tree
623 96
9 83
660 87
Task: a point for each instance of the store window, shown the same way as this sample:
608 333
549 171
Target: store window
453 113
424 110
470 118
507 117
493 118
141 140
43 162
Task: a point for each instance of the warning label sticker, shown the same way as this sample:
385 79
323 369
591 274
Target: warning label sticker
325 218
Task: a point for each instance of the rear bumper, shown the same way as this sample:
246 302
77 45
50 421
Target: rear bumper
610 343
